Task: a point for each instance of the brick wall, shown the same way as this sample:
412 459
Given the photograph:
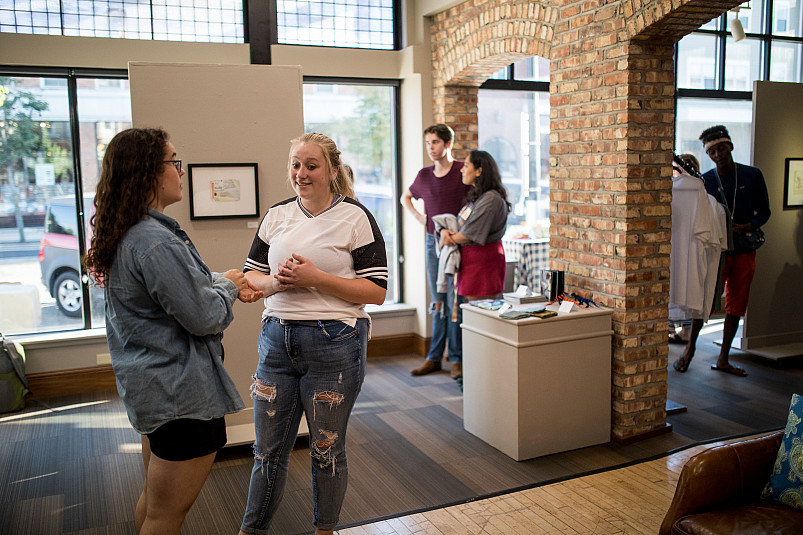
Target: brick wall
611 137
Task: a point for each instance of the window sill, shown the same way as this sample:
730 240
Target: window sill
390 310
62 338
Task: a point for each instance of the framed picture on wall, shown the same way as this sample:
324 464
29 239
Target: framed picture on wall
223 190
793 184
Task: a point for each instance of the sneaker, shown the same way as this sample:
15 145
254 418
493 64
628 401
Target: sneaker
457 370
429 366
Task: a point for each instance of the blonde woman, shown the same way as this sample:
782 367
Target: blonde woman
319 258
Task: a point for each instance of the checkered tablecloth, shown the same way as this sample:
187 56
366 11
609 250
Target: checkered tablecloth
531 256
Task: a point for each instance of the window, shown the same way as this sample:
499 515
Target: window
715 74
362 119
513 116
219 21
338 23
41 235
696 114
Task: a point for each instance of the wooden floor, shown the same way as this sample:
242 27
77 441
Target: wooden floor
631 500
71 465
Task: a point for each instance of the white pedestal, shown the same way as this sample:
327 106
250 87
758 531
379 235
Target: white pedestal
533 387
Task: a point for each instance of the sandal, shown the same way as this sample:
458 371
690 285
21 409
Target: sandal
674 338
733 370
681 365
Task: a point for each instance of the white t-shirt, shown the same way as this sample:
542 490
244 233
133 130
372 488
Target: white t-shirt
343 240
696 245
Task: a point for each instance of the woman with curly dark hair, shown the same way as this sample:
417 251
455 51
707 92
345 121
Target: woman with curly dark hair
481 225
165 312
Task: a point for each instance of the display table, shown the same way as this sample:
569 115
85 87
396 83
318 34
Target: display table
531 256
533 387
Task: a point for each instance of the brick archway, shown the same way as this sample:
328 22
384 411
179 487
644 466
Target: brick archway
611 133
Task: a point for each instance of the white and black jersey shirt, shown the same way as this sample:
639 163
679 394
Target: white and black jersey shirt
343 240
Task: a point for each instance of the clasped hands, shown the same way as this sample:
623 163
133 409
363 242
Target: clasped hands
446 238
247 292
296 272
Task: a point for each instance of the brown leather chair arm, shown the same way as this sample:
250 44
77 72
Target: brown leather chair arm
724 476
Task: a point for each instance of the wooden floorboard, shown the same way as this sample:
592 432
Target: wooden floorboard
630 500
71 465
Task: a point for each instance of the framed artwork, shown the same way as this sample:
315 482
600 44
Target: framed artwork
793 184
223 190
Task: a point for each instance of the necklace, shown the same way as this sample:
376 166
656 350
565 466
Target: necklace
735 184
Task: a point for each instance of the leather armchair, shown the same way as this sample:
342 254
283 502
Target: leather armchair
719 489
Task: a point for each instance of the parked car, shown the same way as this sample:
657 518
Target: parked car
58 253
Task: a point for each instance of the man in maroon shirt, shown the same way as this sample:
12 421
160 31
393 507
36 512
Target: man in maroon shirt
441 188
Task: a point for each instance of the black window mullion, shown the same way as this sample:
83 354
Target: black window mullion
767 39
261 29
72 97
398 193
721 53
397 26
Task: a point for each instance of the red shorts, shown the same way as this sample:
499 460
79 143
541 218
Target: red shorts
737 274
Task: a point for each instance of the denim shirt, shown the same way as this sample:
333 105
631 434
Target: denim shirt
165 312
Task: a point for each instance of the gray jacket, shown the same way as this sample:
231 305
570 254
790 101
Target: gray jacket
448 256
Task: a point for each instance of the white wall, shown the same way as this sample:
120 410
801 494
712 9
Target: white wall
775 315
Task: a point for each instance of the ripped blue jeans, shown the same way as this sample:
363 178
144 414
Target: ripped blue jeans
317 371
446 332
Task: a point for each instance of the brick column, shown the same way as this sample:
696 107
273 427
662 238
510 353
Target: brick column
611 136
457 107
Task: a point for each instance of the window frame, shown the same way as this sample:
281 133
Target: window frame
723 35
72 75
395 84
262 30
151 22
510 83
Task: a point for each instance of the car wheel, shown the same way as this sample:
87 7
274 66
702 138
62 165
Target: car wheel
69 294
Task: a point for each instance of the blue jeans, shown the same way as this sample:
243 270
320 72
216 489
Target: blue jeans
443 328
318 370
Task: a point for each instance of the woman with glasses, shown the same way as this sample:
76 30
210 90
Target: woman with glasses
165 312
319 257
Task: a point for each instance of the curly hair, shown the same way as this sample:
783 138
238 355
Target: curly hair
489 177
342 184
128 183
716 132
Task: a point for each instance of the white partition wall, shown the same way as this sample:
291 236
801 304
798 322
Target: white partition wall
225 114
773 326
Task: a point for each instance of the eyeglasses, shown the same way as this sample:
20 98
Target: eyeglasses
176 164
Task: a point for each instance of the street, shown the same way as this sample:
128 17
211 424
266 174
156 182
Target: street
19 263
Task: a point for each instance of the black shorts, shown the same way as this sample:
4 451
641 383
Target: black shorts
185 439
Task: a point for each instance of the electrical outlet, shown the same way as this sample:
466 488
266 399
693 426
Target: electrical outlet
104 358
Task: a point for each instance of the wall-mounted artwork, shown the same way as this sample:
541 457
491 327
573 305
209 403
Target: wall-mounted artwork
223 190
